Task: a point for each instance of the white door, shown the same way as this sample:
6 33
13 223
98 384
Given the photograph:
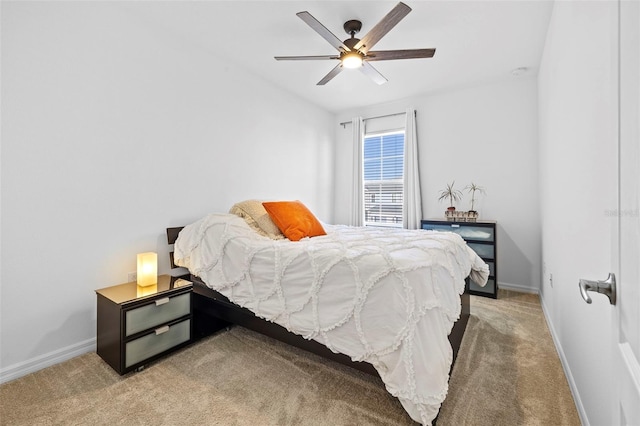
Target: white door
626 320
625 242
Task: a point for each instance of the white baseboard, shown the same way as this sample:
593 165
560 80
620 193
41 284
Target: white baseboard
565 366
517 287
23 368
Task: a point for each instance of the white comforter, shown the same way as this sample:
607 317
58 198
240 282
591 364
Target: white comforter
387 297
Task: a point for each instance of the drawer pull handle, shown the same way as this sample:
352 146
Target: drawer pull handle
161 330
162 301
455 226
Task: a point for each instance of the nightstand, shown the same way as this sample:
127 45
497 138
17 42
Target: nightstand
137 325
482 238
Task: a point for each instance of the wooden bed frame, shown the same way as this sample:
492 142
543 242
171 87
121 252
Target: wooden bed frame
212 311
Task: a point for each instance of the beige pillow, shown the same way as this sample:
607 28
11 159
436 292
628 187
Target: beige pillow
256 216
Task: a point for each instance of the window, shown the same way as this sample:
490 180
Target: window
383 179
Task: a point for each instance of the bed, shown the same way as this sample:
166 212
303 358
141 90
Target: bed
384 301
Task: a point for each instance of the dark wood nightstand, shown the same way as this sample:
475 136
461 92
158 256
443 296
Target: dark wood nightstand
481 236
137 325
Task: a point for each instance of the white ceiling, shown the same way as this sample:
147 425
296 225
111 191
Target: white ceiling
476 41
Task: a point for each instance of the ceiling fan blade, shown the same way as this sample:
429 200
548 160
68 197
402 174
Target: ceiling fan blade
323 31
305 58
375 75
386 55
383 27
331 74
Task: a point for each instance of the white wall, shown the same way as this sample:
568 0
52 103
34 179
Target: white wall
113 130
578 157
486 135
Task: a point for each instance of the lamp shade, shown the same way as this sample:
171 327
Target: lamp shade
147 269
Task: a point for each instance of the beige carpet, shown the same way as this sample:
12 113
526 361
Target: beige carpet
507 373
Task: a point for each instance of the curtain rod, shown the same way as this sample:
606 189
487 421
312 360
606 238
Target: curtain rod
344 123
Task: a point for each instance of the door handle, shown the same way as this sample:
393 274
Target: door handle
606 287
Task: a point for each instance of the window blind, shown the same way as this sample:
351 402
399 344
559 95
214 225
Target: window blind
383 178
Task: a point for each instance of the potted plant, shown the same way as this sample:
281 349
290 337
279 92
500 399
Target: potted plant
452 194
472 188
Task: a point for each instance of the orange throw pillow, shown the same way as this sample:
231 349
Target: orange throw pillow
294 219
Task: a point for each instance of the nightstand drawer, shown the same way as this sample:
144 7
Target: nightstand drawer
485 251
489 287
162 339
468 232
492 268
157 312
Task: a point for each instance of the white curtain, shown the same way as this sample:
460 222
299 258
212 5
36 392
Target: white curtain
357 198
412 199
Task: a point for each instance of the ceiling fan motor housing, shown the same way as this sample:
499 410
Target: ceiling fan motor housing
351 42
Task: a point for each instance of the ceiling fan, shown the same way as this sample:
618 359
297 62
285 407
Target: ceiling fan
357 53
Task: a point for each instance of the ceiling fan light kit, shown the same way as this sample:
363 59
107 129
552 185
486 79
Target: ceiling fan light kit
356 53
351 60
